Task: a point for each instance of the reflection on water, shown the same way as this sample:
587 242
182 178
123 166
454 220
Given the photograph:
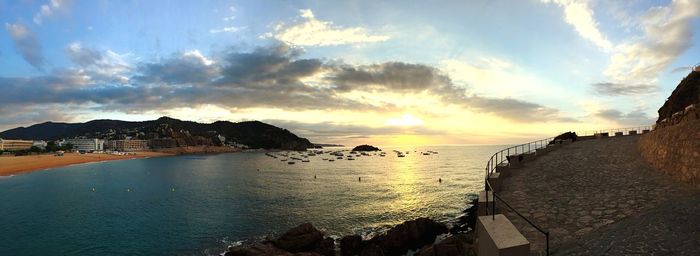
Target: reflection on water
187 204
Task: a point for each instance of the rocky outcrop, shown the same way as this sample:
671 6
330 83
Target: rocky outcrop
301 240
366 148
564 136
686 93
466 221
410 235
307 240
673 147
457 245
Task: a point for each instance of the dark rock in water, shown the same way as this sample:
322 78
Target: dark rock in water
371 249
303 238
686 93
365 148
255 250
409 235
467 221
327 247
461 244
564 136
350 245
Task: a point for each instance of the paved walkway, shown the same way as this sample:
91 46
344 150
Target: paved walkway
580 188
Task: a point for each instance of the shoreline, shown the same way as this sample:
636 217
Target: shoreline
15 165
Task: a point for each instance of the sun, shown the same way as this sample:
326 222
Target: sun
405 120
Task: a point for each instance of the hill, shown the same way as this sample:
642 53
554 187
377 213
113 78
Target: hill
254 134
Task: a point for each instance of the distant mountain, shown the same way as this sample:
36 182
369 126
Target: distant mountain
254 134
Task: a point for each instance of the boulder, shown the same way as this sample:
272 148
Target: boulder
461 244
350 245
409 235
303 238
564 136
255 250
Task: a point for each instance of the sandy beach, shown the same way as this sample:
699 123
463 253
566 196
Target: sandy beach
21 164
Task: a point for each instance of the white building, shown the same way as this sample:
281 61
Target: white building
39 144
86 144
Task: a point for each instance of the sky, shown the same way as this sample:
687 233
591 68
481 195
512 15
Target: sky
350 72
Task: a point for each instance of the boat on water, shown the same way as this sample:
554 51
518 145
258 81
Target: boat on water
331 160
305 161
290 162
350 158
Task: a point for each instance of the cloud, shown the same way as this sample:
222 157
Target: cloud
391 76
184 68
266 77
104 65
615 89
47 10
578 14
309 31
27 44
231 29
667 34
633 118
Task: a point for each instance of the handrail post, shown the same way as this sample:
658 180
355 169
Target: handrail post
547 235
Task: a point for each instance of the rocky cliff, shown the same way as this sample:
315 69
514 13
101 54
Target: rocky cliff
673 147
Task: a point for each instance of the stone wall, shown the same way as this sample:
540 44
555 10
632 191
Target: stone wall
673 147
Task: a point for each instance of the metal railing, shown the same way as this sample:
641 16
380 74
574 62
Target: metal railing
611 132
503 155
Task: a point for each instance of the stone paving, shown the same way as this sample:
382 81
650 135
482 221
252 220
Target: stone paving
668 229
579 188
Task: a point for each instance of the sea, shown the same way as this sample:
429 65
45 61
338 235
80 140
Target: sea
200 204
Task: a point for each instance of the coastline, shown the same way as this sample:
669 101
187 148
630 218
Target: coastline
13 165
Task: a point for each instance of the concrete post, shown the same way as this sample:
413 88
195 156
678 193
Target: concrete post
498 236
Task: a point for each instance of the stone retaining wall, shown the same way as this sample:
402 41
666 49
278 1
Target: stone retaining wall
673 147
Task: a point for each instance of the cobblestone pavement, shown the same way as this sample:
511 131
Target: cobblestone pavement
579 188
668 229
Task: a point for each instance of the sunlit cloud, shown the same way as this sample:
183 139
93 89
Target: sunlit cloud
309 31
405 120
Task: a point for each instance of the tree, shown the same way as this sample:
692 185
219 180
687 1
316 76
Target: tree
51 146
35 149
68 146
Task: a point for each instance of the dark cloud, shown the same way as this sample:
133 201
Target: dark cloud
633 118
516 110
391 76
617 89
27 45
184 68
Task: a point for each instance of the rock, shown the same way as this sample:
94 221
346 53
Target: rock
365 148
255 250
409 235
303 238
564 136
371 249
327 247
686 93
461 244
350 245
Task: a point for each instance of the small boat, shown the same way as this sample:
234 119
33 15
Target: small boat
305 161
401 155
340 157
290 162
426 154
331 160
350 158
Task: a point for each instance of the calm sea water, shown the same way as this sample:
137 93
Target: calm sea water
197 205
